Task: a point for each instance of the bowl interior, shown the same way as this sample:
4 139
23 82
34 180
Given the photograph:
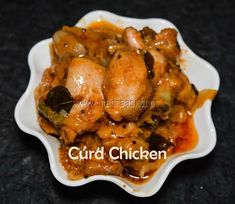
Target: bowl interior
200 73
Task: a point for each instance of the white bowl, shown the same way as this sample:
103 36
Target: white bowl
200 73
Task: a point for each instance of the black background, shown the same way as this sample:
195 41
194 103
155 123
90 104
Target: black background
25 177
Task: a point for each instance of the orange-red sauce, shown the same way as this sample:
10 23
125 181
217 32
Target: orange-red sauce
190 139
187 142
104 26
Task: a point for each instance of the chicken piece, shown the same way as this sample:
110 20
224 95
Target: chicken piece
162 101
166 42
92 166
157 63
127 89
96 43
95 166
84 82
173 86
133 38
185 92
125 135
66 44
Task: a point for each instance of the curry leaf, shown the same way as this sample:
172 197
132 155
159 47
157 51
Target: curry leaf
59 98
158 143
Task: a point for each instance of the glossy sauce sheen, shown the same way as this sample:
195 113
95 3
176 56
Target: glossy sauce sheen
185 143
191 137
188 141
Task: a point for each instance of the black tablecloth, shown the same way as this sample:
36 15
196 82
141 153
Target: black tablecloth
25 177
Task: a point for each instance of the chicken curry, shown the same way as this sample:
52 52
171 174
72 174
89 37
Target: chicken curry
108 86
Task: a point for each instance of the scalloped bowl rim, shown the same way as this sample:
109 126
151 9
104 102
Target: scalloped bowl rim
150 187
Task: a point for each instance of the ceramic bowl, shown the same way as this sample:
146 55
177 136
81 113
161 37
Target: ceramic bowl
199 71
